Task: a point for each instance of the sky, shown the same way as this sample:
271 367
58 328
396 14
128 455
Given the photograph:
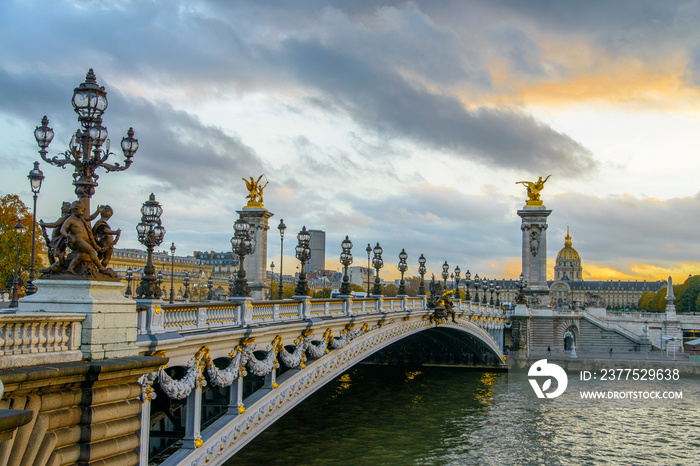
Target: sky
403 123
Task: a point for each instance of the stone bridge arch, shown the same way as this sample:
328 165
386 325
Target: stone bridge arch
231 432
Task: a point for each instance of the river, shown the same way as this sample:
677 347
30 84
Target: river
452 416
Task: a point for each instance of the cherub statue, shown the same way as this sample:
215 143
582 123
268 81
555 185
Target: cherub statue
58 243
104 235
76 229
533 190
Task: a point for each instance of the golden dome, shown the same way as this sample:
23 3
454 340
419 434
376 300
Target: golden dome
568 253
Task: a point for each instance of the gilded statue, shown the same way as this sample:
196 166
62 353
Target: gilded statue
533 190
105 236
255 191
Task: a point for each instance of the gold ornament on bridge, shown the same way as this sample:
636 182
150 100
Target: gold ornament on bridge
533 190
255 191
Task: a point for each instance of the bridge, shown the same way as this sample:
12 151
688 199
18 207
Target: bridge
261 358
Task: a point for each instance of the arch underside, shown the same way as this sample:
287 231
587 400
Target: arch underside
228 434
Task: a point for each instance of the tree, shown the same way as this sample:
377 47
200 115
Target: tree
356 288
288 292
688 294
645 300
390 291
11 209
324 293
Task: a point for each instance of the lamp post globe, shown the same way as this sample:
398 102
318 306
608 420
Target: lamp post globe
36 176
303 253
468 279
150 233
241 245
377 263
281 227
15 281
403 266
445 274
368 251
421 271
172 273
346 260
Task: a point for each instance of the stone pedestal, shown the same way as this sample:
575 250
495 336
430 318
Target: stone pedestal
534 247
109 328
256 263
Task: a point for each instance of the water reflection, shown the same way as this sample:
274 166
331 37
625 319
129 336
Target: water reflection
449 416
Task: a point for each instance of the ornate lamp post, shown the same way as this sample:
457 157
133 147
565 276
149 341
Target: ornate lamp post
241 245
477 283
303 253
368 251
521 286
445 274
186 284
230 286
421 271
346 260
492 287
210 286
159 280
485 287
281 227
377 263
35 178
498 293
403 266
85 151
172 273
458 271
150 233
129 277
272 279
15 281
468 278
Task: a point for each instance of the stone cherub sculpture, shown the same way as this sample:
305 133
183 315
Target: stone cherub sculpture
533 190
255 191
89 248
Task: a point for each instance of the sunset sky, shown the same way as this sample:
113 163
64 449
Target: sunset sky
403 123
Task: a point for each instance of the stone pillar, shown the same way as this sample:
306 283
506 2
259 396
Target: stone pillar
110 325
256 263
534 247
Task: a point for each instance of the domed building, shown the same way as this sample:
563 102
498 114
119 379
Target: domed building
569 288
568 263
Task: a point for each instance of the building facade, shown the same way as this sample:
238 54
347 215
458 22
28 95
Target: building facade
317 244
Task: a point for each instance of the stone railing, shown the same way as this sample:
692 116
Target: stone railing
35 338
159 317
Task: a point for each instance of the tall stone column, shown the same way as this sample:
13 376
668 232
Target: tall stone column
534 247
256 262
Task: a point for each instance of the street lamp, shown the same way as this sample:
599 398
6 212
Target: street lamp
421 271
368 251
35 178
186 284
15 281
230 286
492 287
129 277
377 263
303 253
468 278
89 147
477 283
210 286
159 279
346 260
445 274
403 266
172 273
498 293
458 271
521 286
485 287
241 245
150 233
281 227
272 278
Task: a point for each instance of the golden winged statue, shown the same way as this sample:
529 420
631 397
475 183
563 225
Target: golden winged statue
255 191
533 190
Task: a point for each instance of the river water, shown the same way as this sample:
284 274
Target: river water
375 415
